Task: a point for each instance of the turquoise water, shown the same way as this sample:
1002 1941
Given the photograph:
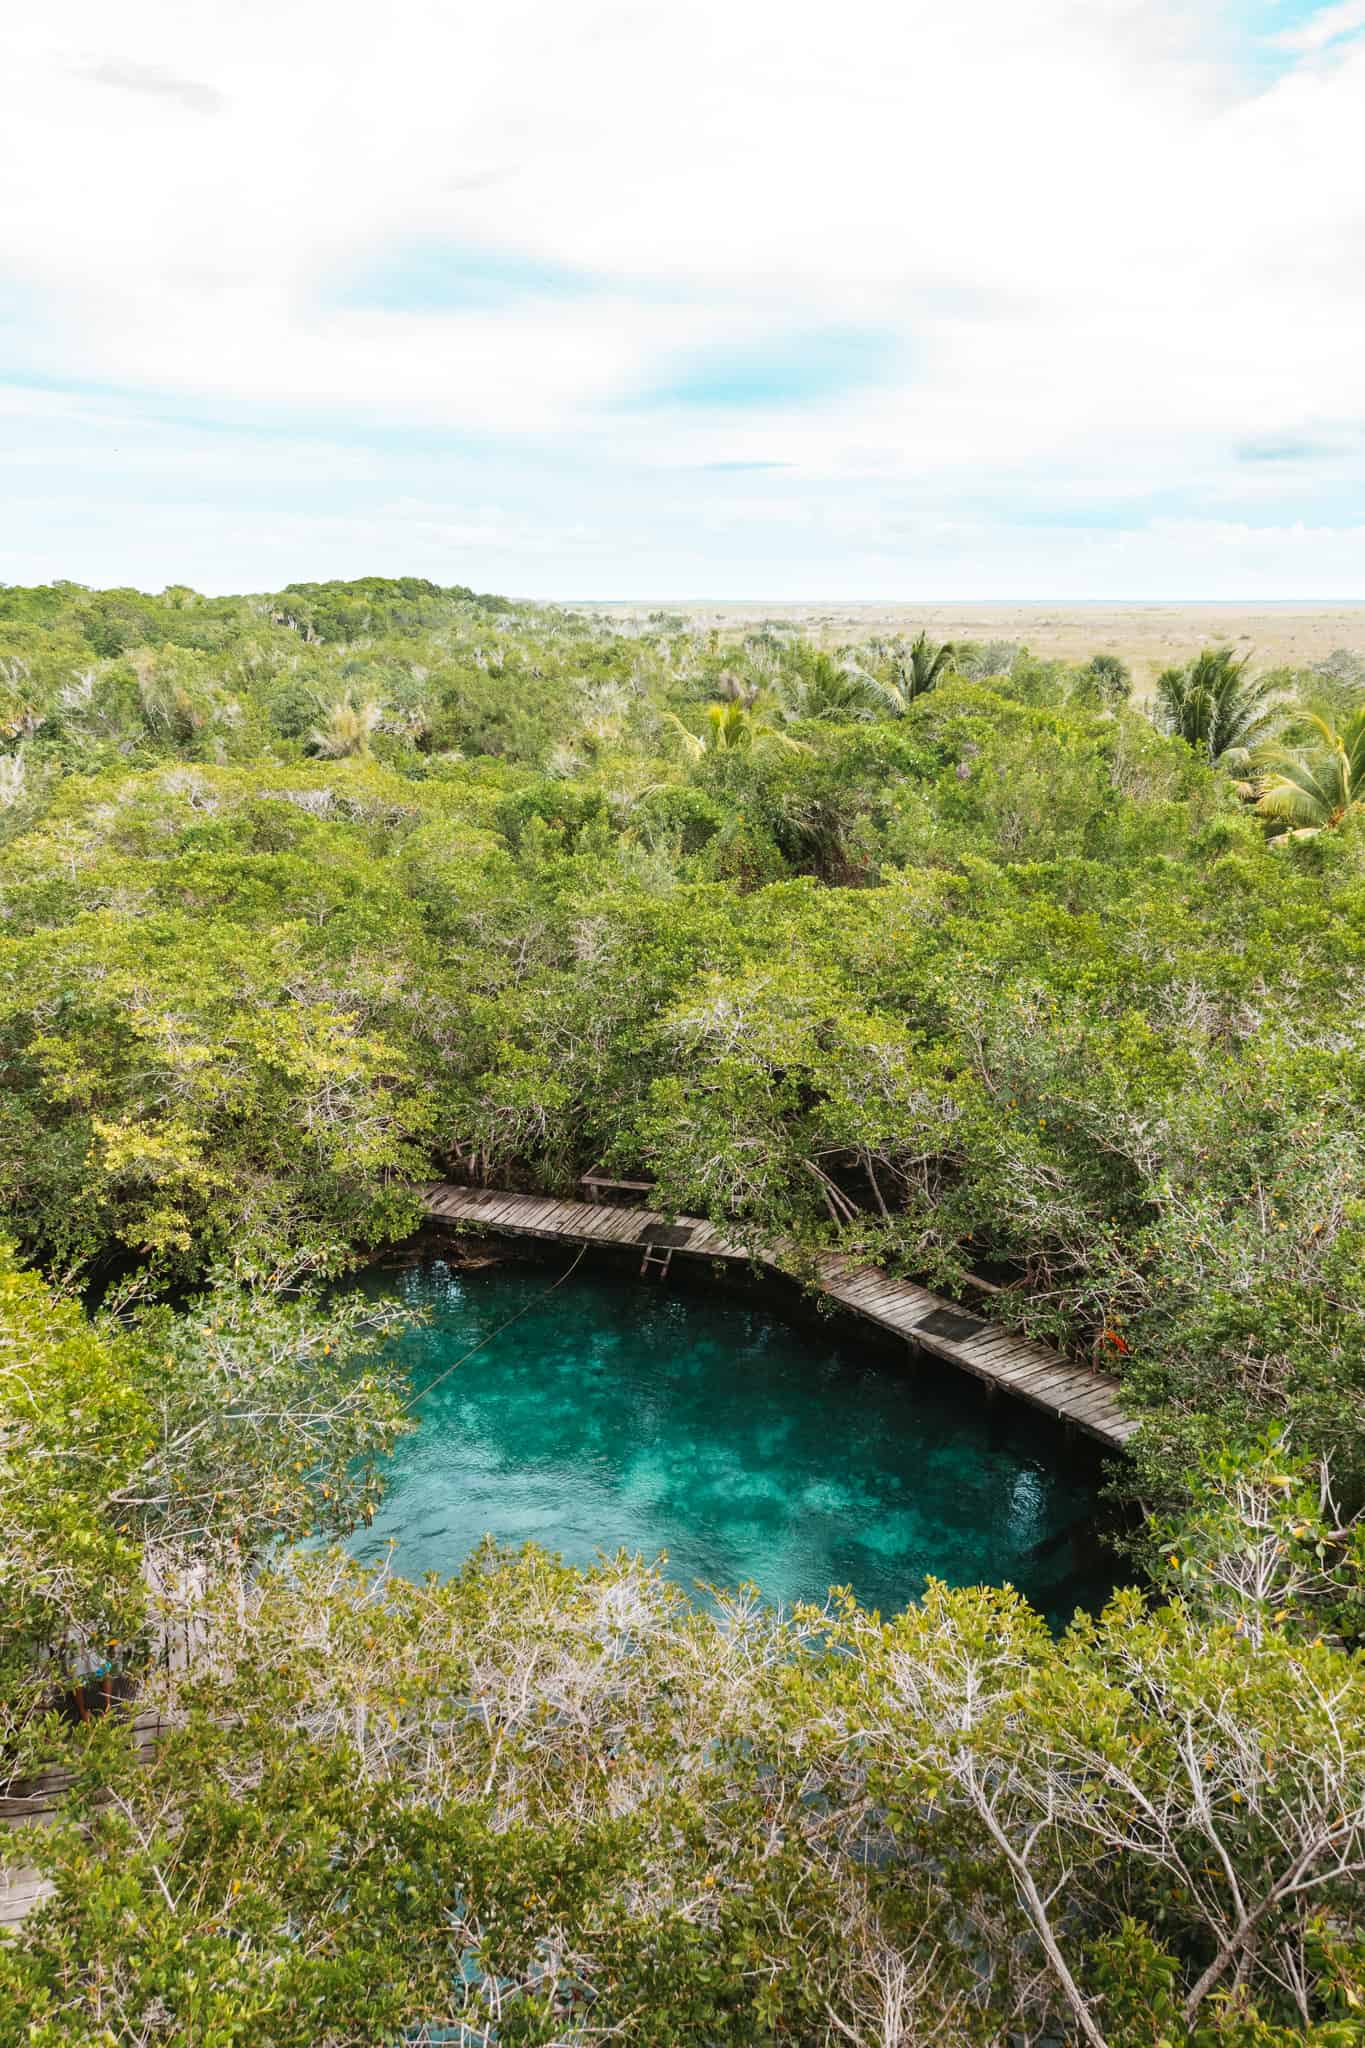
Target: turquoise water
630 1414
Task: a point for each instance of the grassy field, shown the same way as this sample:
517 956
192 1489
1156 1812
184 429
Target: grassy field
1147 636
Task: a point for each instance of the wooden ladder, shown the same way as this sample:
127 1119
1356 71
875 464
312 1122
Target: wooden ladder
660 1255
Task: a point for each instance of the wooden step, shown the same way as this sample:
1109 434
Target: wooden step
1017 1365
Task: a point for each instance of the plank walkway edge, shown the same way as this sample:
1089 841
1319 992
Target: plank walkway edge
22 1885
1021 1367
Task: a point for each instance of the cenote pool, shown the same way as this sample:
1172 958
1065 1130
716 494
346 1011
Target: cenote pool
624 1414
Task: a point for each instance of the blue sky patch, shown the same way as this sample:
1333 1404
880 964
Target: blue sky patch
441 276
1264 22
790 369
1286 450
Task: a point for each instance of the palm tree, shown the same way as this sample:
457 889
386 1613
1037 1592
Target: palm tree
916 670
925 666
1216 708
348 728
826 688
1313 792
167 705
737 689
732 728
1107 677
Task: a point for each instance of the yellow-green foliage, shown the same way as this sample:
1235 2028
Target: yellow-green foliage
942 958
74 1423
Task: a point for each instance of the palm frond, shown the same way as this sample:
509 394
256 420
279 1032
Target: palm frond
889 695
1318 789
1215 707
1296 795
694 746
348 728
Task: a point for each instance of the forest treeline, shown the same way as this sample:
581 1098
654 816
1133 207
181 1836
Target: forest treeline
950 955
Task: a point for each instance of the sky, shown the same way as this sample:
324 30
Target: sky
897 300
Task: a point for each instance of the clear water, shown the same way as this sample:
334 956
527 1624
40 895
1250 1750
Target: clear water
663 1417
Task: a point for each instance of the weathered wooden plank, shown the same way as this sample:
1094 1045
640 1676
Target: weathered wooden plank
891 1294
555 1219
909 1318
1080 1389
930 1340
614 1227
1083 1376
998 1340
722 1247
896 1308
1068 1402
627 1236
584 1220
22 1886
560 1217
1095 1401
718 1246
1107 1428
627 1228
845 1285
1042 1355
1090 1407
1019 1365
1003 1360
1042 1376
619 1223
988 1332
864 1291
1027 1364
1040 1381
20 1891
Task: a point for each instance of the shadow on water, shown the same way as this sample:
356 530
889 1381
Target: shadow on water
685 1418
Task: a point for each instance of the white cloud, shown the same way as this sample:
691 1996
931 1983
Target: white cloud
1112 251
1328 25
186 92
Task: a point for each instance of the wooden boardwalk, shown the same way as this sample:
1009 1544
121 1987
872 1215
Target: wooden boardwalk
22 1886
1033 1372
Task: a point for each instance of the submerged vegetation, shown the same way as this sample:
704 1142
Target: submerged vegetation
950 956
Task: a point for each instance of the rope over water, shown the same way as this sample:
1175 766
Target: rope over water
491 1334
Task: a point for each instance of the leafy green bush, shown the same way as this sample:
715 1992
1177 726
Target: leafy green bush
999 974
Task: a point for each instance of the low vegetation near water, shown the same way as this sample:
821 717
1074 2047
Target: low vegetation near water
947 955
